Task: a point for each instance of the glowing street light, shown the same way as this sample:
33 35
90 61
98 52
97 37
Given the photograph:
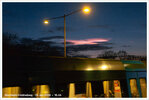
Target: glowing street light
85 9
46 21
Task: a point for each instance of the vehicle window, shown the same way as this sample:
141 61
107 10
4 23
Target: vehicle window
97 89
80 88
143 87
11 92
112 89
134 88
41 91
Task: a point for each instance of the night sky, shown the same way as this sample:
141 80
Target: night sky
109 26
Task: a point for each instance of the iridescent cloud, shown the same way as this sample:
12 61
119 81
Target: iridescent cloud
88 41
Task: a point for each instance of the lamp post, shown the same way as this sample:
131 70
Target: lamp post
86 10
64 36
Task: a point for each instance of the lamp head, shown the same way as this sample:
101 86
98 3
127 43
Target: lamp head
86 10
46 22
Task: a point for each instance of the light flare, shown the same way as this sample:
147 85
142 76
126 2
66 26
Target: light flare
86 9
104 67
46 22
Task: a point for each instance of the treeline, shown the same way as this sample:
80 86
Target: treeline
13 45
120 55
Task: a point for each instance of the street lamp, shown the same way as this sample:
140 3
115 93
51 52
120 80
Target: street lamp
86 10
46 21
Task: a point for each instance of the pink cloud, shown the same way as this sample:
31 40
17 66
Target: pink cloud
88 41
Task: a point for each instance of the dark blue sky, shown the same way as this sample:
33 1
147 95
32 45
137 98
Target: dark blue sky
123 25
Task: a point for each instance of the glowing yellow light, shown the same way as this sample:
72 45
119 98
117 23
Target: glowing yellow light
86 10
42 91
46 22
89 69
11 92
104 67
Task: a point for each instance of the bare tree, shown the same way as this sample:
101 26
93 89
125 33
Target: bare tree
9 38
108 55
122 54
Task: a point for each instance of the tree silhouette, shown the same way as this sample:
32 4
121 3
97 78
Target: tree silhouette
108 55
122 54
26 46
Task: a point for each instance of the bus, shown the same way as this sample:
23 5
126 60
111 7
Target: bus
59 77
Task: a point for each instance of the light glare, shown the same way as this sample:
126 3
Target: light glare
86 10
104 67
46 22
89 69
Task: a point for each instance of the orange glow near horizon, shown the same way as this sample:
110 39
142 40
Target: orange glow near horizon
88 41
